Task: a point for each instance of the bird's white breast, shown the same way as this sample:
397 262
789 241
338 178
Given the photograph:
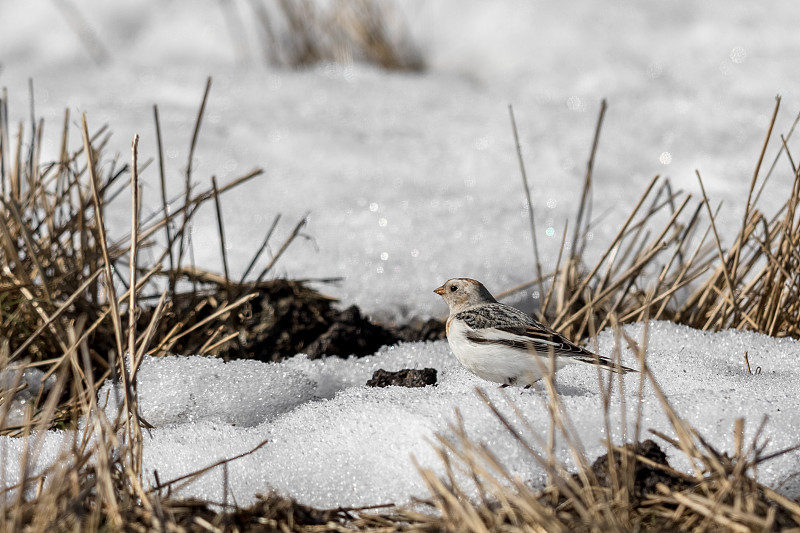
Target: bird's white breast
496 362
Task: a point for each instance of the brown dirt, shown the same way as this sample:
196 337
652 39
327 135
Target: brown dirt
288 317
407 377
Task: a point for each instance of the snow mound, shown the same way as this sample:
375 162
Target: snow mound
332 441
179 390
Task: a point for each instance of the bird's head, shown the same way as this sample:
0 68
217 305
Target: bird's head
463 293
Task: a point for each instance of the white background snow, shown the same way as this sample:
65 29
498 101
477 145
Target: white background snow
411 179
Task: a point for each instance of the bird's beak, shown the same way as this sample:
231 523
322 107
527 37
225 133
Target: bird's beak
439 291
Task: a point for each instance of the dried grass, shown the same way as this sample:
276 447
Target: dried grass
667 261
299 33
62 273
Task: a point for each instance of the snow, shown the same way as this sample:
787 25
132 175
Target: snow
412 178
30 383
332 441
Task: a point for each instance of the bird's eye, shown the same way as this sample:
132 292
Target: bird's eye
453 288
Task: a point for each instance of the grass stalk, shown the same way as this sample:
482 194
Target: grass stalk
531 215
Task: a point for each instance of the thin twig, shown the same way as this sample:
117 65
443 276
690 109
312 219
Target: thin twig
748 206
585 203
295 232
164 203
723 260
188 181
202 471
260 249
221 228
526 187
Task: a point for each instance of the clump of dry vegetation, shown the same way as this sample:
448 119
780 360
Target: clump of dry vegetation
299 33
68 288
667 261
71 302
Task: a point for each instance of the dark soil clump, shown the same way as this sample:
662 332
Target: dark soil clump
407 377
281 321
645 476
350 333
284 318
417 330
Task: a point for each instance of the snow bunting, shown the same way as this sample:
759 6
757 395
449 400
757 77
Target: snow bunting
500 343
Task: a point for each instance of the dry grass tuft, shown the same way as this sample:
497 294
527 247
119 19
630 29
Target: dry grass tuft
667 262
299 33
66 285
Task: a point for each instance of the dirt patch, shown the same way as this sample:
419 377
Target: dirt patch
287 317
646 475
407 377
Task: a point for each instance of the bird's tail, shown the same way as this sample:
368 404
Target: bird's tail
606 363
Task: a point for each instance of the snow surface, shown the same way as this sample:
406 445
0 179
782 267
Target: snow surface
412 179
30 384
332 441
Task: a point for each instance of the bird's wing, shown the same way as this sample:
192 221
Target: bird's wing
494 315
502 325
531 338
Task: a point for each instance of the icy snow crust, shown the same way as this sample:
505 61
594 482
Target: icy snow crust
332 441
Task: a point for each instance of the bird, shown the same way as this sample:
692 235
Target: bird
502 344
